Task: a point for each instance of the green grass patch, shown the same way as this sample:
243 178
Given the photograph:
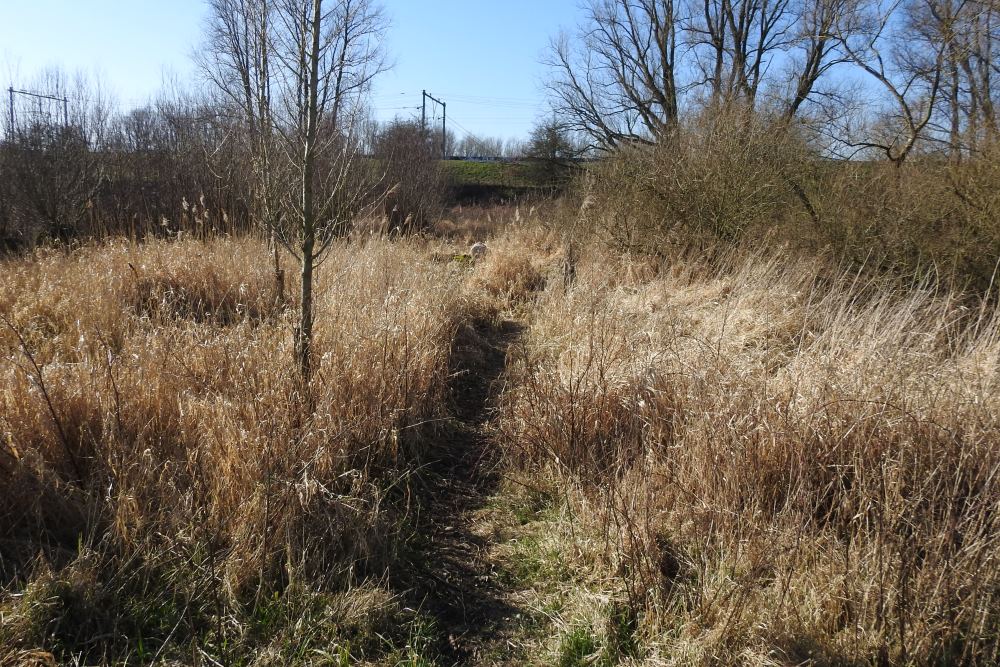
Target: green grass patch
525 174
462 172
135 618
582 645
577 648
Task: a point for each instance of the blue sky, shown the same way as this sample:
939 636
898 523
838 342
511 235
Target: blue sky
481 57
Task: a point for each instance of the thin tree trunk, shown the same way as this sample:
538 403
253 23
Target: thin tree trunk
304 347
954 110
279 273
308 203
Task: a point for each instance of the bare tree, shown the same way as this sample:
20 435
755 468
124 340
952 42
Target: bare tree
814 51
618 84
965 29
298 71
554 151
636 65
734 42
979 65
908 65
239 64
477 146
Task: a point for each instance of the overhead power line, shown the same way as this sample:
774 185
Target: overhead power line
444 121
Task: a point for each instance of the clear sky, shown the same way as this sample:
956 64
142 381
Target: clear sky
480 56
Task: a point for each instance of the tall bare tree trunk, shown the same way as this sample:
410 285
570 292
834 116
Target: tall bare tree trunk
308 247
954 109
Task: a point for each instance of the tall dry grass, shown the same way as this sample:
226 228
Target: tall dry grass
784 462
789 464
166 478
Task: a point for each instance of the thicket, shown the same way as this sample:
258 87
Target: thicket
153 171
743 179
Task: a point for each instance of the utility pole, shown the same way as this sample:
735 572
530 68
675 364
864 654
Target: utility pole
444 121
10 129
38 96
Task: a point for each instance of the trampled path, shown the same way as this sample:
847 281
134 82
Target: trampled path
455 580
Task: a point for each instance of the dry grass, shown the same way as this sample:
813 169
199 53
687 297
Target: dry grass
787 468
155 435
476 222
751 459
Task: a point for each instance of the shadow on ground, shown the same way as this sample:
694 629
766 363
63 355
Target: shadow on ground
451 577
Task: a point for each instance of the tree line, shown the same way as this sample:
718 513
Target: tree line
867 78
862 128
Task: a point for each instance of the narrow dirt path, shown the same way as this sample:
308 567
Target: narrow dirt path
456 583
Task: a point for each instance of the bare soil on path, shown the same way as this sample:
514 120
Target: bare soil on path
454 579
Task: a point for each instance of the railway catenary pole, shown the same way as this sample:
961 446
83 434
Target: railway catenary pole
65 103
444 121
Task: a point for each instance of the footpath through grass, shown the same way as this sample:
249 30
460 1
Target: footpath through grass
537 458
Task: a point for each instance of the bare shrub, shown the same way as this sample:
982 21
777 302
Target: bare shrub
923 217
725 174
734 179
53 174
412 175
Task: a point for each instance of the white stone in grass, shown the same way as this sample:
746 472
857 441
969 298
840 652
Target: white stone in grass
478 250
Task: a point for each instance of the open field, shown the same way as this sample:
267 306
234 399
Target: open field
497 173
750 458
492 182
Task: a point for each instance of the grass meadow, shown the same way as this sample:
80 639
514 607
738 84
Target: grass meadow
749 456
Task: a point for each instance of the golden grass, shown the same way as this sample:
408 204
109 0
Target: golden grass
786 466
151 416
754 459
